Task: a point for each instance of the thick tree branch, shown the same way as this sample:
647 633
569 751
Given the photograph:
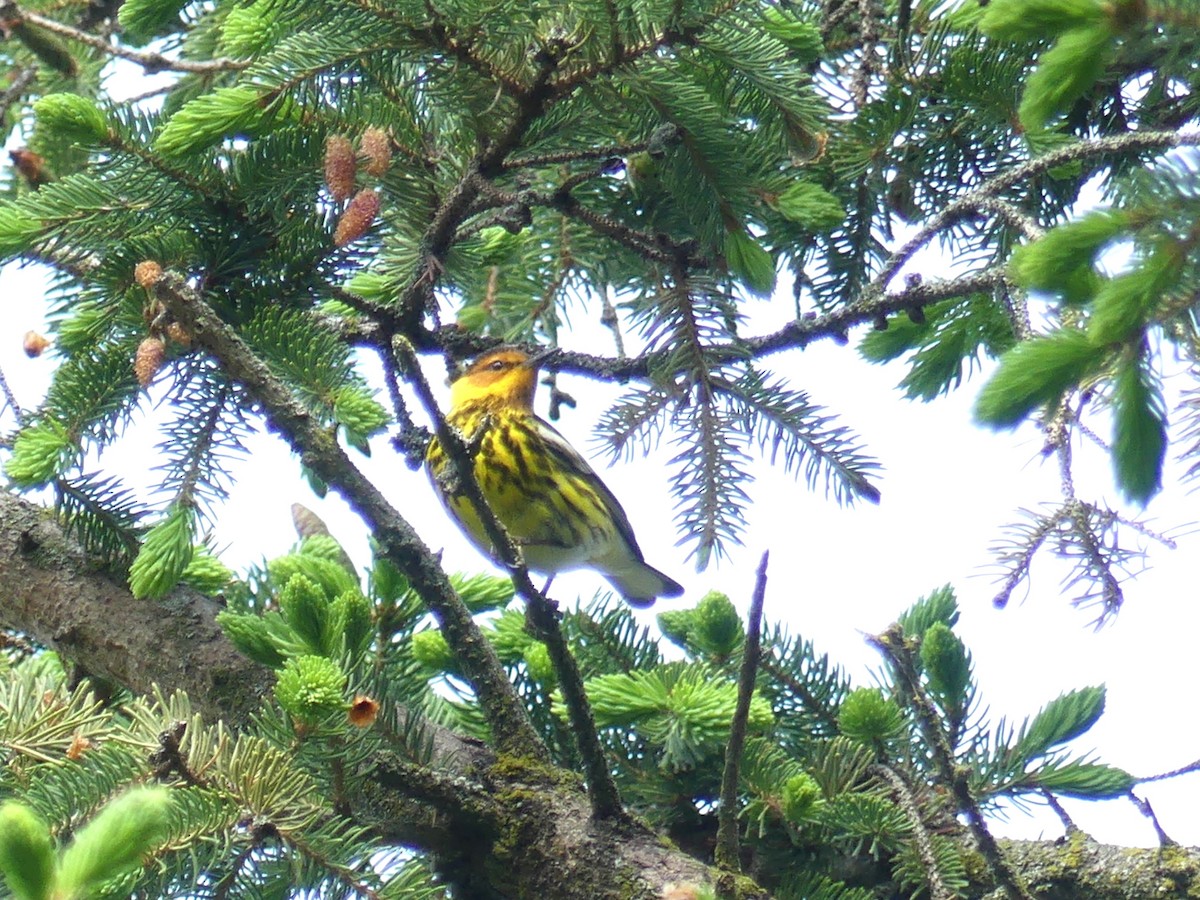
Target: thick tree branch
58 596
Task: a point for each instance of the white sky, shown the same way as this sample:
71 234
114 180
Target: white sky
835 573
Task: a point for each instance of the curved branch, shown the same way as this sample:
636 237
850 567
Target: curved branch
319 450
151 62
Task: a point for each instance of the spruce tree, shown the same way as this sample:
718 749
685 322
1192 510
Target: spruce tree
319 183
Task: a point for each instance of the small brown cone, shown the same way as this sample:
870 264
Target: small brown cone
31 166
377 148
363 711
150 356
340 166
34 343
357 218
147 273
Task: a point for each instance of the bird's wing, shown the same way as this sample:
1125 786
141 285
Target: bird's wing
571 461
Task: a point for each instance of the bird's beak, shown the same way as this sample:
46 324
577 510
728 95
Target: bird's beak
538 358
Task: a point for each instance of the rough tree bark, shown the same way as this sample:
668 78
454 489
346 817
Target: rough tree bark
509 828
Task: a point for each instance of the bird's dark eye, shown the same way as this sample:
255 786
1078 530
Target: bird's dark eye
497 365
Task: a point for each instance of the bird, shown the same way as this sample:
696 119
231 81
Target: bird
550 501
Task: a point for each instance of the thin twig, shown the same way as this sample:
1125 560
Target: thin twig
728 855
1144 807
10 398
980 199
1060 811
1174 773
151 62
318 449
902 656
540 610
23 78
608 318
566 156
921 838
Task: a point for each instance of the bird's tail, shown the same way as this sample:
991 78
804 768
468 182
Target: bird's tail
640 584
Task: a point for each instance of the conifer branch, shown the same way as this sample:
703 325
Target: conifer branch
625 55
921 838
151 62
318 449
980 200
440 34
537 160
542 613
456 795
20 82
901 656
727 853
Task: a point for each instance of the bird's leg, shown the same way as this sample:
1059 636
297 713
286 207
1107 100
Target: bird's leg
546 586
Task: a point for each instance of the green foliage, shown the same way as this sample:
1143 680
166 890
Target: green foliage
802 38
750 263
802 799
350 617
946 663
143 20
248 30
18 231
210 118
252 636
913 872
1064 72
1036 373
27 859
939 607
311 688
1139 428
73 118
870 717
165 554
949 342
483 592
39 453
711 629
681 710
360 415
1086 781
328 575
660 168
1063 260
305 608
1062 719
1124 303
115 840
206 573
430 649
810 205
1033 19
